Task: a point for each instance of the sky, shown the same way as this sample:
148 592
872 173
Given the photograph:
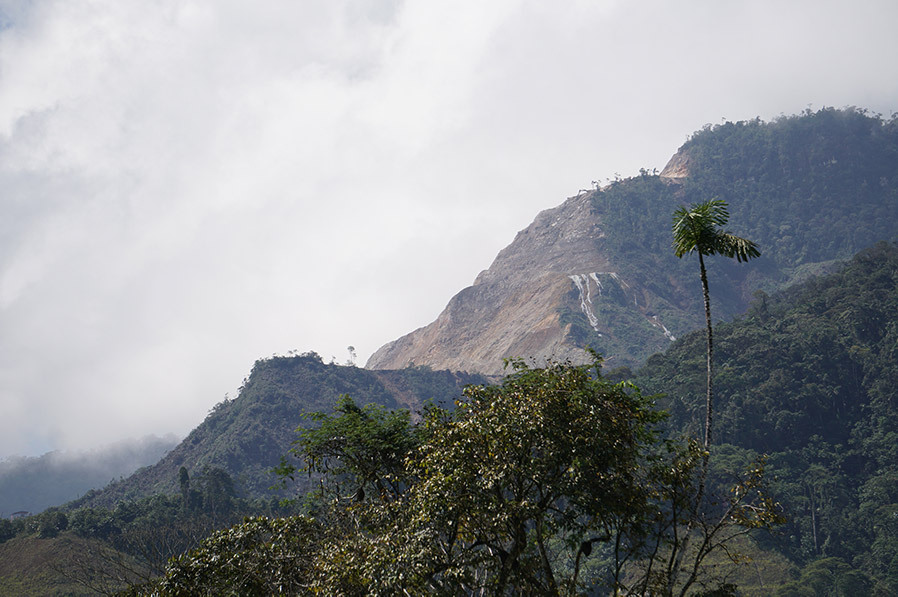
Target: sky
189 186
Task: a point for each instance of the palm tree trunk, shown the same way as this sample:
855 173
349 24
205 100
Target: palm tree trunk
674 570
708 404
707 297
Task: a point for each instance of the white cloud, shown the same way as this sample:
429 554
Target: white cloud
191 185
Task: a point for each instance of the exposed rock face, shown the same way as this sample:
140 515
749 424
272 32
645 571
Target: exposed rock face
677 168
517 307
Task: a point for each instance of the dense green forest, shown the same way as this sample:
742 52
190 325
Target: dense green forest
809 189
807 376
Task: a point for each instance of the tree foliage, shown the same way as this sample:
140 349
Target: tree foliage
554 482
808 376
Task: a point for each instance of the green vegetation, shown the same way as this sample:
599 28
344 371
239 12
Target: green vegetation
128 544
808 376
552 483
809 189
247 436
790 184
825 171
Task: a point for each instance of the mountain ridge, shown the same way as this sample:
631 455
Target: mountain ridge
809 189
247 436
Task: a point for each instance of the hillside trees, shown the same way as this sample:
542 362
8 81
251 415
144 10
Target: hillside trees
6 530
809 189
808 376
834 169
357 449
554 483
247 436
134 541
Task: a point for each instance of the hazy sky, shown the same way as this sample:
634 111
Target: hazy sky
187 186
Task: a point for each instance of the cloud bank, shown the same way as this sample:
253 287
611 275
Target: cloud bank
188 186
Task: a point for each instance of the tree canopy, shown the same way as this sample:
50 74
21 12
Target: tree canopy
554 482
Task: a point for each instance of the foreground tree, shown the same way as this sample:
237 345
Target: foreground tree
553 483
522 480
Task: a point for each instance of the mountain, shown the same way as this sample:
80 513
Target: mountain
806 376
247 436
599 270
512 308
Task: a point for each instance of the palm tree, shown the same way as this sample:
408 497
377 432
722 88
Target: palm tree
696 230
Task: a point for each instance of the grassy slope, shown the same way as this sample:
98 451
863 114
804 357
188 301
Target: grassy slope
31 566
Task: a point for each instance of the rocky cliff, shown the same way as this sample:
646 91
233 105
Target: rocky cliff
542 297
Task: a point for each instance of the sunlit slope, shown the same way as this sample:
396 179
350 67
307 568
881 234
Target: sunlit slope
599 270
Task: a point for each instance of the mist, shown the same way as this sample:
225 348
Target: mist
191 186
34 484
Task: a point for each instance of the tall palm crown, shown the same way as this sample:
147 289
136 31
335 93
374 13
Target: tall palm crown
695 229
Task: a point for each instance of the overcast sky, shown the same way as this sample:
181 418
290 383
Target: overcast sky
187 186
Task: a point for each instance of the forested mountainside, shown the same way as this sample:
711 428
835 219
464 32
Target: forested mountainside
32 484
599 269
246 436
808 376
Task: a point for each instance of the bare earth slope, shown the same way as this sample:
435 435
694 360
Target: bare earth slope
522 306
